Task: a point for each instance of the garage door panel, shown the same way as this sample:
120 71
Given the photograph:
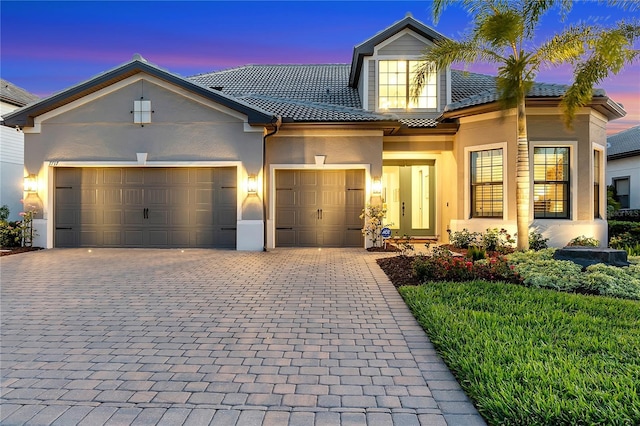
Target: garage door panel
153 176
204 196
158 217
308 198
133 176
321 207
145 207
307 178
110 176
307 237
133 238
89 238
112 238
224 217
66 238
158 238
89 216
133 217
133 197
156 196
89 176
226 196
286 218
179 196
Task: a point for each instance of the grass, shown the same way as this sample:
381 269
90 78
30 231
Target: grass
530 356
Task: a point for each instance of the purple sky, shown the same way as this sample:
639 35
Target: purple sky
49 46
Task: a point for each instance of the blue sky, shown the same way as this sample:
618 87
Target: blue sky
49 46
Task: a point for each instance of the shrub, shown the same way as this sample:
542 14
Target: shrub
464 238
536 241
539 269
497 240
476 253
373 215
15 233
583 241
613 281
443 265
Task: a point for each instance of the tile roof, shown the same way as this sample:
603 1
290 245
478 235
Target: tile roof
471 89
306 111
321 92
326 83
15 95
623 144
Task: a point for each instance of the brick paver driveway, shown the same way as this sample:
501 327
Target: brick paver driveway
292 336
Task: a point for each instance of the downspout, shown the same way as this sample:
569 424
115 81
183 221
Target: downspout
276 122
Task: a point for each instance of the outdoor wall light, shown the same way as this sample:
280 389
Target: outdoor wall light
252 184
376 186
31 183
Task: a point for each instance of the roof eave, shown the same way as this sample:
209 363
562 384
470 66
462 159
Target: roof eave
603 104
621 155
388 126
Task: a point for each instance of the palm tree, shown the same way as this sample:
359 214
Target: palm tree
503 33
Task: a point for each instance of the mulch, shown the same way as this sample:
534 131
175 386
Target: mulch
7 251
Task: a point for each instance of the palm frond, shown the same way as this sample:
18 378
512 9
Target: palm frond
609 51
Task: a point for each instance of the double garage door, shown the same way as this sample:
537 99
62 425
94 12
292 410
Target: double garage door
319 208
145 207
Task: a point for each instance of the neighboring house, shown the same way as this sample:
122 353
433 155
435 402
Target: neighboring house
12 97
289 155
623 166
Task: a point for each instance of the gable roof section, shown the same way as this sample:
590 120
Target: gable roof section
25 116
624 144
366 47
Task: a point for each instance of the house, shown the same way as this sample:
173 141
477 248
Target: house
264 156
12 97
623 166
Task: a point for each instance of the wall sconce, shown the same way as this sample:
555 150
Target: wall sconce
31 183
252 184
376 186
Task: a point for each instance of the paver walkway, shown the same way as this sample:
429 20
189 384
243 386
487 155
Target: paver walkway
292 336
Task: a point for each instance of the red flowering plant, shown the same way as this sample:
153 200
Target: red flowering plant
442 265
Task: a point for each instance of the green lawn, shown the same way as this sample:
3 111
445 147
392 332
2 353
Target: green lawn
530 356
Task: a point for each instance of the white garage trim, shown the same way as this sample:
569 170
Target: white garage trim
48 223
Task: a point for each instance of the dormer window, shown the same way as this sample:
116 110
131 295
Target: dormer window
395 79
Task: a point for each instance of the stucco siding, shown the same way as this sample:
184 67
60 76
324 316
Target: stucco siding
181 129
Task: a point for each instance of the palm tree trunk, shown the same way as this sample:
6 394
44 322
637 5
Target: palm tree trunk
522 180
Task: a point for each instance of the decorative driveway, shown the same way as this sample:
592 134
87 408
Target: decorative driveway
196 337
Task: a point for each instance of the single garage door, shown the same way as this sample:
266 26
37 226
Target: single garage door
319 208
145 207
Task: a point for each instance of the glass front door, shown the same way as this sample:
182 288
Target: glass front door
408 193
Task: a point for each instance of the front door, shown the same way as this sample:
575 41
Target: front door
408 193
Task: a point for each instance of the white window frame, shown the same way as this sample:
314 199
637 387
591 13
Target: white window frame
573 176
467 180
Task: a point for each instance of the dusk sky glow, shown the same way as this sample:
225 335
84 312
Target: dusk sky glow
49 46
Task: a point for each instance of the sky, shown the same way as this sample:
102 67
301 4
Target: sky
46 47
